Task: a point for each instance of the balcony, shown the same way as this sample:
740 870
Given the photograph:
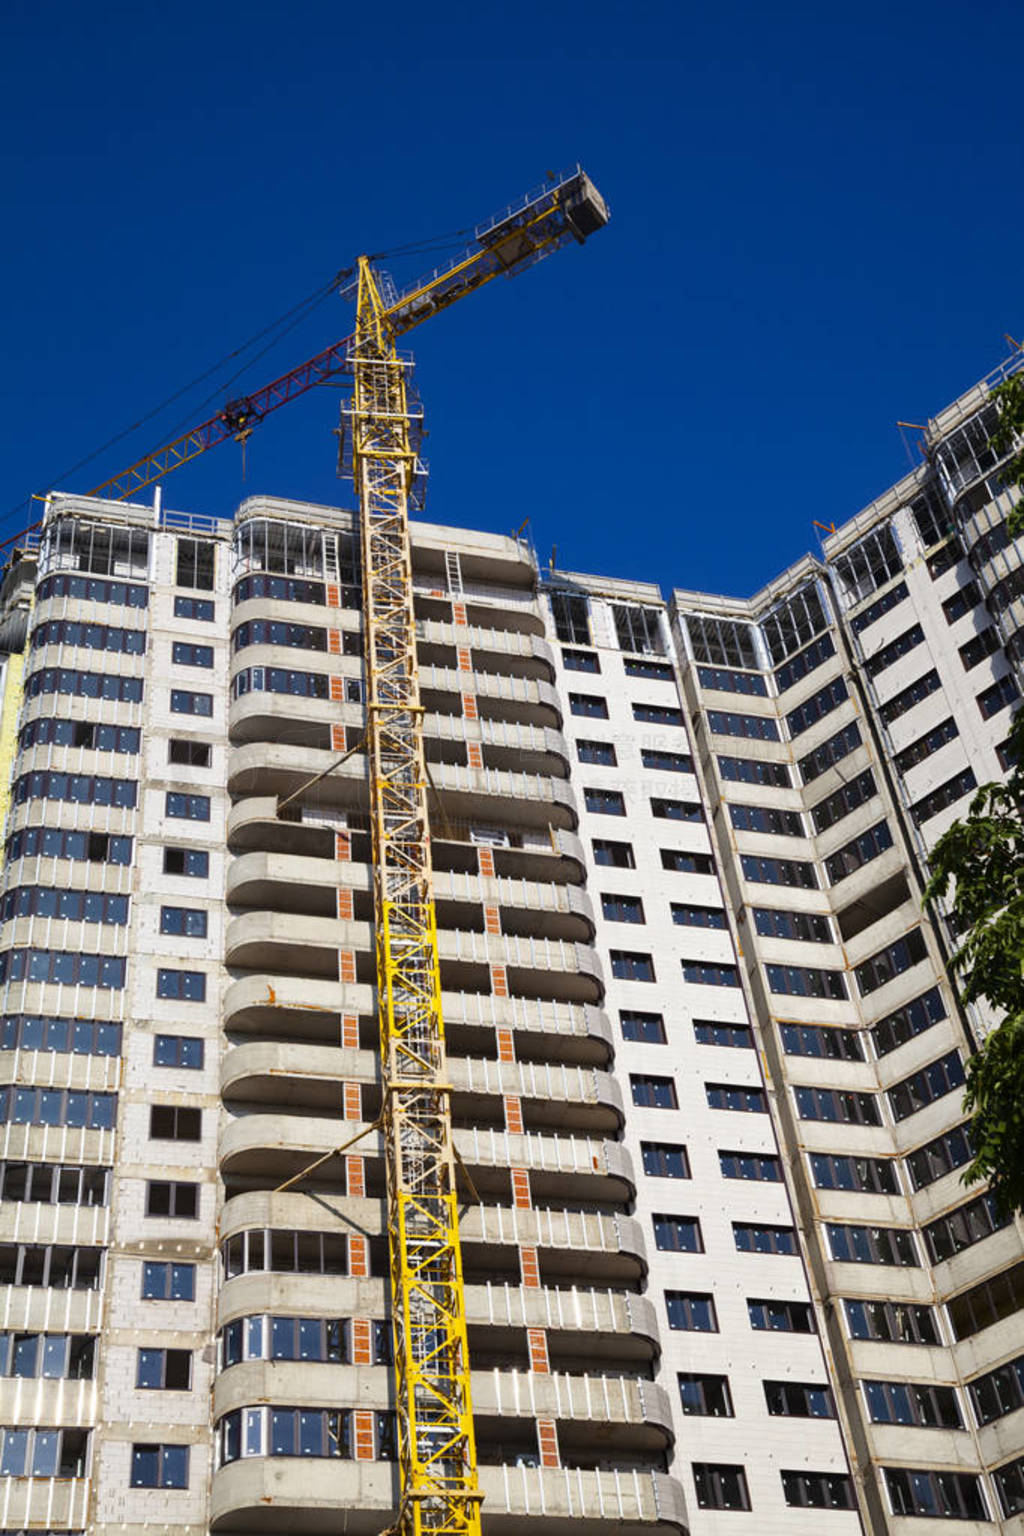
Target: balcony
493 650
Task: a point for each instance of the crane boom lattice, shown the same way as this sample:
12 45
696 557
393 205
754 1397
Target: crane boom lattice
435 1422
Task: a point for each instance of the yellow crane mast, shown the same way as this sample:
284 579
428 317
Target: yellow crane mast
439 1491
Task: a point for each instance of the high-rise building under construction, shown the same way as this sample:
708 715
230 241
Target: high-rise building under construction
706 1064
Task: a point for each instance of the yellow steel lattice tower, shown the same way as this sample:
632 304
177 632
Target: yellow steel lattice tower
435 1422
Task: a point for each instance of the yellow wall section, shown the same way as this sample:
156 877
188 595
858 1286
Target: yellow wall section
10 708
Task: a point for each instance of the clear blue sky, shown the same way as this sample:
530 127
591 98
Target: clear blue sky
817 229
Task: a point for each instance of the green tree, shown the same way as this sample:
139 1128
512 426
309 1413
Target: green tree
979 862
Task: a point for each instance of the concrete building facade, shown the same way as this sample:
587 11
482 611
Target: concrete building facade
707 1061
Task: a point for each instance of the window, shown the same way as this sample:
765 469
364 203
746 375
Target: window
781 1316
763 871
628 965
830 752
588 705
752 1238
580 661
869 564
685 915
936 1495
805 981
189 922
923 1087
845 799
614 855
52 1356
80 788
963 600
752 727
819 1040
871 1245
167 1198
817 1490
799 1399
816 707
809 927
880 606
194 608
724 681
638 629
601 754
622 909
793 622
646 1028
571 613
657 714
193 862
767 819
43 1032
892 1322
185 703
666 762
178 1051
720 1485
58 1106
194 567
664 1160
299 637
93 590
997 697
69 843
187 807
164 1281
86 734
987 1303
728 642
726 1096
70 905
676 810
288 590
946 795
174 1122
604 802
57 1268
691 1311
190 754
938 1157
186 653
84 685
186 986
1009 1481
262 1337
836 1106
288 680
709 973
959 1229
652 1092
868 1175
893 708
974 651
678 1234
168 1370
682 862
998 1392
1006 755
805 662
160 1466
43 1452
924 746
890 962
889 654
285 1252
746 770
715 1032
92 637
705 1396
858 852
54 1184
912 1019
657 671
107 971
764 1167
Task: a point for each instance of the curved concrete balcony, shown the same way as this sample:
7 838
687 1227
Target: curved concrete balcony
24 1221
47 1402
253 823
585 1247
563 1168
505 743
36 810
37 1309
60 1069
498 698
486 560
288 612
67 874
273 1003
47 1503
274 717
266 1495
84 659
72 707
115 765
56 1144
626 1324
572 1097
285 941
494 650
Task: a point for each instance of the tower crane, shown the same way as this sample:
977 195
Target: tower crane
439 1491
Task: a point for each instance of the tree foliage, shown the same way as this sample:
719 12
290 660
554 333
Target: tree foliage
980 862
